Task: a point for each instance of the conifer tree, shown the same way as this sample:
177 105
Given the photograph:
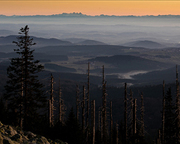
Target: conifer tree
23 90
72 132
169 131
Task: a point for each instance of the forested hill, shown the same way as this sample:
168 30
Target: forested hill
129 62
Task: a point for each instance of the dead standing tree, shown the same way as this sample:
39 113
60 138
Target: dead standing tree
87 116
83 110
125 113
77 102
134 121
51 103
111 124
163 113
142 116
104 113
131 113
93 120
101 125
50 119
88 87
60 103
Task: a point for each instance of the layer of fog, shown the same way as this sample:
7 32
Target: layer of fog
111 30
128 75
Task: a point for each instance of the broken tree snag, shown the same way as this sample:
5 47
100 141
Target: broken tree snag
104 113
52 101
60 105
88 86
93 120
83 110
134 119
77 102
142 116
131 113
125 113
88 101
111 124
49 102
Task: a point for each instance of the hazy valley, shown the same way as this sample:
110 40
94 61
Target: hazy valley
139 51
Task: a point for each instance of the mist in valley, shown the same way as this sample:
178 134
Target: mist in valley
116 30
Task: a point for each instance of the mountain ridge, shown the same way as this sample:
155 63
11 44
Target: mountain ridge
74 14
4 40
145 44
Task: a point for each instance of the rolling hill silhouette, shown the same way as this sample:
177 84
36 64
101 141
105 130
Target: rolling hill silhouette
39 41
126 63
145 44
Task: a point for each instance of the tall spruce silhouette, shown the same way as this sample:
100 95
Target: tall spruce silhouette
23 90
169 131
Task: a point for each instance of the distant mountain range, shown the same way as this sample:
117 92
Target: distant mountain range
90 42
6 32
75 40
81 41
74 14
41 42
8 40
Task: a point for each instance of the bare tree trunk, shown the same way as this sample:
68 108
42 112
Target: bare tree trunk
88 86
63 111
77 102
50 123
142 116
134 120
101 127
87 117
60 106
99 120
83 111
163 113
52 101
93 121
111 123
125 113
132 103
159 138
104 116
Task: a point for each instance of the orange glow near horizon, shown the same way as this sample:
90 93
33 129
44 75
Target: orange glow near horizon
90 7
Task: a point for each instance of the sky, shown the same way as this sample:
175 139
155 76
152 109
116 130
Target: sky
89 7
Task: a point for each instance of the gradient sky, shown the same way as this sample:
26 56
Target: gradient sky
118 7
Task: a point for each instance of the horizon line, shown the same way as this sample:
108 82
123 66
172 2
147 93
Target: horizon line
81 14
94 0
